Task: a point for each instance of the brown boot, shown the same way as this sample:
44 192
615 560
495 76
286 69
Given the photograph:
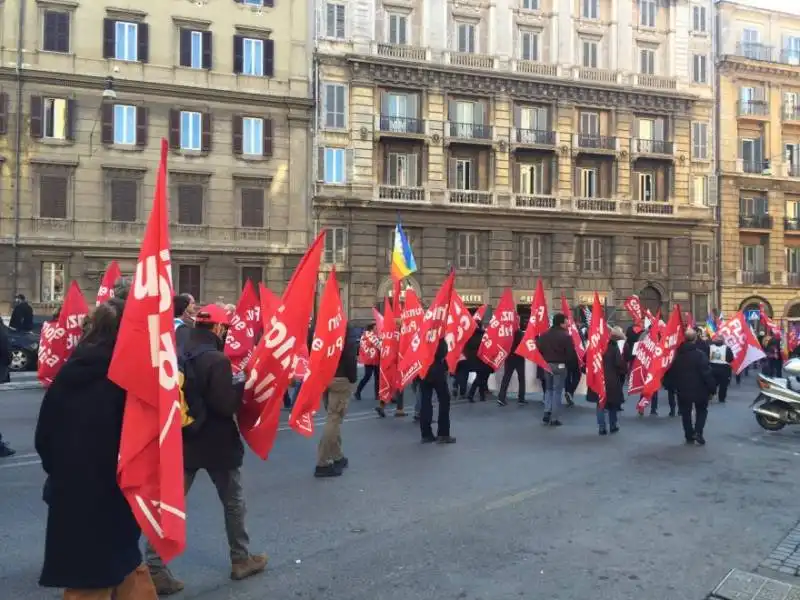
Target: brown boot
252 565
166 583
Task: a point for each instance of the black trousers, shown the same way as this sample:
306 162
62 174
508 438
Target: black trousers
461 378
722 375
573 381
670 399
369 371
481 382
427 388
513 366
700 406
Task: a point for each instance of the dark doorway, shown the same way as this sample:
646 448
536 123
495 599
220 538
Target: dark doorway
650 299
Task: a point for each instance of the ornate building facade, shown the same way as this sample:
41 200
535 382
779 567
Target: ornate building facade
759 160
227 82
564 139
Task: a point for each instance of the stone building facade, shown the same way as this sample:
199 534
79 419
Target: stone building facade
518 139
226 82
760 160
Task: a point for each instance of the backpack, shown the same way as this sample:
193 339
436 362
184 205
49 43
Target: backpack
193 408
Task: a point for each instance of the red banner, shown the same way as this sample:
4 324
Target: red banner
61 339
539 321
672 336
369 349
643 352
110 277
150 469
793 339
460 327
274 358
742 341
634 308
481 310
768 323
598 342
245 327
390 342
499 335
326 349
410 320
378 321
572 327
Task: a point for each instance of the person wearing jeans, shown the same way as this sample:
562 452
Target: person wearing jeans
558 351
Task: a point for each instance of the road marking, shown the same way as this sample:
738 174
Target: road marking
24 463
513 499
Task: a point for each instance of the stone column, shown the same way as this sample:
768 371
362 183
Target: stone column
434 262
613 57
298 167
776 259
673 7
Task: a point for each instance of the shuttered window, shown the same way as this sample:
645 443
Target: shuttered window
252 207
189 281
124 200
53 197
254 274
190 204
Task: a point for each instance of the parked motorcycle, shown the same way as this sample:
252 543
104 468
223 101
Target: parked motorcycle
779 398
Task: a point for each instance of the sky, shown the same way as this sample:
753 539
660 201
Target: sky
789 6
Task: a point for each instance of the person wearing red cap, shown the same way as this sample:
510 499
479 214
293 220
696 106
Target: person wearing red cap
214 443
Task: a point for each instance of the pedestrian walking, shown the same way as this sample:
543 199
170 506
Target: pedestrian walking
773 363
214 443
436 381
92 537
513 364
720 356
614 370
369 355
557 349
691 377
5 362
331 460
22 315
482 371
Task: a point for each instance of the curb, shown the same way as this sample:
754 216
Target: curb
21 385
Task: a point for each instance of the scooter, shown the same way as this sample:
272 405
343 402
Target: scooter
779 398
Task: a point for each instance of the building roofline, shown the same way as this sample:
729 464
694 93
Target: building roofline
756 9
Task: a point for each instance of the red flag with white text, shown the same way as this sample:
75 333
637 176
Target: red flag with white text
390 342
634 308
742 341
369 349
410 320
572 328
323 359
150 469
598 342
459 328
537 325
643 352
110 277
672 336
480 312
63 336
499 334
767 322
245 327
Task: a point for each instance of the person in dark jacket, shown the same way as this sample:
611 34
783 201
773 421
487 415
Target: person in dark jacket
436 381
482 371
92 537
614 370
558 351
691 377
22 315
215 445
5 361
514 364
331 461
721 357
702 340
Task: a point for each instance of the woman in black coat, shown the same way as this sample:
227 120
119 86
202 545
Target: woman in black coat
614 369
92 538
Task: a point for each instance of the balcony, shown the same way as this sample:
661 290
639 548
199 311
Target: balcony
791 224
401 193
755 222
470 60
791 114
535 137
792 170
790 57
597 143
470 197
537 202
655 209
403 126
753 108
596 205
597 75
754 167
793 279
754 51
753 277
469 132
251 234
401 52
655 82
532 67
647 147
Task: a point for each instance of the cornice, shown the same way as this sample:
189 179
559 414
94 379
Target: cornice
734 64
90 82
385 72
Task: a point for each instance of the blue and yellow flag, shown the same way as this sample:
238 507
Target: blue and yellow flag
403 263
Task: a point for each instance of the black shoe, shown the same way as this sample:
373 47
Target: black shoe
445 439
483 398
357 397
603 431
522 401
614 429
342 463
700 439
428 439
6 451
470 399
501 402
555 423
330 470
690 441
653 413
568 399
672 413
546 418
722 401
380 411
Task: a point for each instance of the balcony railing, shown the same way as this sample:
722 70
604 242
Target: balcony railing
755 51
536 202
755 167
595 205
791 113
655 82
532 67
470 60
793 279
793 170
401 52
596 142
535 136
755 221
597 75
754 277
392 124
645 146
653 208
401 193
790 57
470 197
754 108
469 131
791 224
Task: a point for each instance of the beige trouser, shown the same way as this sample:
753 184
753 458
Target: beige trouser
136 586
330 446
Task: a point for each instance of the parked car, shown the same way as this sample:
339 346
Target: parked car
24 345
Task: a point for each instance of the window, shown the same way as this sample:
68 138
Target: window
190 204
253 2
650 252
647 13
590 9
531 178
124 124
646 187
647 61
751 153
189 281
465 176
335 246
334 105
530 4
588 182
753 206
651 129
530 252
700 68
592 254
253 57
398 29
589 57
333 164
252 207
52 282
793 209
699 19
466 37
753 258
124 195
532 118
53 190
255 275
191 130
700 190
334 20
467 250
701 258
791 50
55 37
751 43
590 123
252 136
700 140
401 169
55 118
701 306
126 41
529 45
793 260
195 49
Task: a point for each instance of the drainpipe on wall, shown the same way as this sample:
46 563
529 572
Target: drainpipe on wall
18 146
717 158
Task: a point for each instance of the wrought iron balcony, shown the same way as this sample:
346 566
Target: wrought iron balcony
401 193
791 113
470 197
535 136
406 125
646 146
754 108
755 51
790 56
755 221
755 277
536 202
657 209
469 131
595 205
596 142
756 167
791 224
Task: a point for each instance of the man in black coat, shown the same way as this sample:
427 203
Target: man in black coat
558 351
5 361
514 364
214 444
476 365
721 357
435 380
691 377
22 315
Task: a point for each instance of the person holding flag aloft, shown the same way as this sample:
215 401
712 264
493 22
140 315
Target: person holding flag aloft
614 370
558 351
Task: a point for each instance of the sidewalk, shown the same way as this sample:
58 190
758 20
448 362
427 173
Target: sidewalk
21 381
742 585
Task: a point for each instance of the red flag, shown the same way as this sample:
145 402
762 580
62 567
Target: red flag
481 310
742 341
326 349
63 336
598 342
110 277
539 322
390 342
672 336
270 303
793 339
499 334
245 327
301 358
643 352
150 470
768 323
274 358
634 308
572 327
378 321
410 320
369 349
460 327
420 353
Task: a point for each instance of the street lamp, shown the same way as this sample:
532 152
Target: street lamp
109 95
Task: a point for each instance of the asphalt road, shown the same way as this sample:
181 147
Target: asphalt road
513 510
